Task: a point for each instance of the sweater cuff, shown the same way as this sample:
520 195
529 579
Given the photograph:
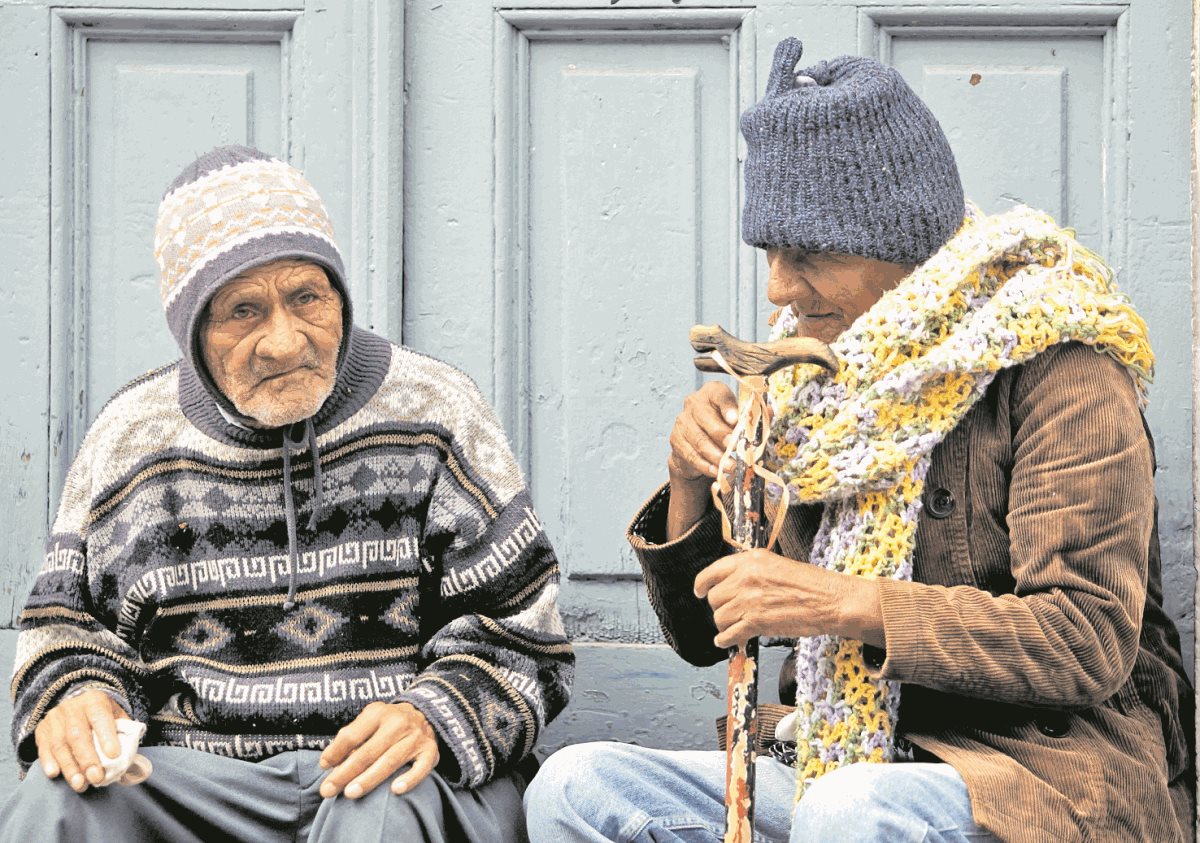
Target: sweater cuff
468 762
905 628
647 535
74 682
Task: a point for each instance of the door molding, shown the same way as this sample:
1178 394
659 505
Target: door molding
1195 203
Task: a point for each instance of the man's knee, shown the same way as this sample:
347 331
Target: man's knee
45 809
380 812
574 784
870 799
431 810
560 774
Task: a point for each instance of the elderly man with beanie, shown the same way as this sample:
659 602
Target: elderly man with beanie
969 566
300 565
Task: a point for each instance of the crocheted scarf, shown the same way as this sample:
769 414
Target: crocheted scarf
1002 290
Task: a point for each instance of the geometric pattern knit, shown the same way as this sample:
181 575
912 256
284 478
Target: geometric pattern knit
1002 290
198 218
427 579
232 209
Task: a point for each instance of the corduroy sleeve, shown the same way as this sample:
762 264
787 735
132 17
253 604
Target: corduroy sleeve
1080 514
670 570
497 665
65 639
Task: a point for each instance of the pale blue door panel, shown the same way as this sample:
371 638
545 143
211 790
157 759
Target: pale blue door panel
1052 88
152 108
633 240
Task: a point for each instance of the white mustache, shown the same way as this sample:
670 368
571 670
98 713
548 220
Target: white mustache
308 360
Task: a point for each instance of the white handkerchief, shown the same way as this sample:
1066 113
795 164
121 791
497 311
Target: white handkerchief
129 767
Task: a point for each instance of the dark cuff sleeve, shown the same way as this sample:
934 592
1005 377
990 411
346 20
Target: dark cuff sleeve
466 758
670 569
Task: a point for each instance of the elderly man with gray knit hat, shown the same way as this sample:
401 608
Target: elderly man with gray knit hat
296 588
969 564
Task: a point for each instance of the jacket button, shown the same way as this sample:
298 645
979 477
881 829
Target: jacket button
1054 725
940 503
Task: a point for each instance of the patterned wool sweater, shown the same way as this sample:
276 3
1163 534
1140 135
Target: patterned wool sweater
428 578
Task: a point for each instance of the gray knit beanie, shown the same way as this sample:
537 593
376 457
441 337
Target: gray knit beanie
230 210
844 157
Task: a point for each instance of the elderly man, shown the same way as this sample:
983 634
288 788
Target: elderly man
974 491
302 556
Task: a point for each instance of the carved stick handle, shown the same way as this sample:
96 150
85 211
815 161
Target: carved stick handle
757 358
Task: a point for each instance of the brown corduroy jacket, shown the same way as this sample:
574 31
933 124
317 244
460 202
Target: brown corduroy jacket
1034 651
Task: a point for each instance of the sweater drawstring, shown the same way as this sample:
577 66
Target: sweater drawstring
316 461
289 503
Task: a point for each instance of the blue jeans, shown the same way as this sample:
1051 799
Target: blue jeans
629 794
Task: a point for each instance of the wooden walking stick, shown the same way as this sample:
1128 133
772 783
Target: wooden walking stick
740 491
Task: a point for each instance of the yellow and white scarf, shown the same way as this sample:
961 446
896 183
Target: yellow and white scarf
1003 289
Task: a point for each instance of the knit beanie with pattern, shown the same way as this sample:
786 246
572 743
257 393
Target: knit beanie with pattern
230 210
844 157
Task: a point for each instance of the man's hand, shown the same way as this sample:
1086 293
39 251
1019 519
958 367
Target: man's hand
64 738
762 593
698 440
381 740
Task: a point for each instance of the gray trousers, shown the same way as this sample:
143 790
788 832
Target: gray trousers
198 796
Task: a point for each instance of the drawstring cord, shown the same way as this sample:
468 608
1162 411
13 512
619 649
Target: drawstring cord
289 509
289 503
316 461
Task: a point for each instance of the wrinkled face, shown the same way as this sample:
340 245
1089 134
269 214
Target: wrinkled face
828 291
270 340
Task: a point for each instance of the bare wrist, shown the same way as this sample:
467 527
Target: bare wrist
687 504
862 611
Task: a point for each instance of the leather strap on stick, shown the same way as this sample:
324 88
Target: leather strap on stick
750 364
754 414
